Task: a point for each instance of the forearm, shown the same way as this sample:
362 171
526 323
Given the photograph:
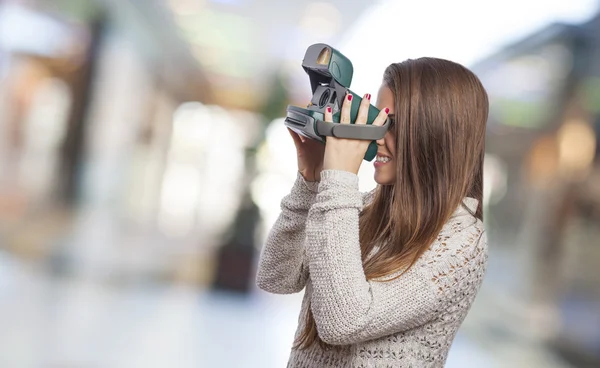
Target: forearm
340 290
282 267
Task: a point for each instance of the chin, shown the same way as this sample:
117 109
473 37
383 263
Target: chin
383 178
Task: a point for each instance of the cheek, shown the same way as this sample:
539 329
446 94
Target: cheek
390 144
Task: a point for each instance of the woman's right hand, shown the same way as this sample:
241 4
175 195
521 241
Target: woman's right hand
310 156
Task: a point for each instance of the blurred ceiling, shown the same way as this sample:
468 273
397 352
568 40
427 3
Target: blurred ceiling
232 48
242 44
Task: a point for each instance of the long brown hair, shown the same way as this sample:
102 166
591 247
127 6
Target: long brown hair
441 110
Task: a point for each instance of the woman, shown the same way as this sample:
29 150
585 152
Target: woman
389 275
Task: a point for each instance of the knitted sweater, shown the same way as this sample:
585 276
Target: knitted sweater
407 322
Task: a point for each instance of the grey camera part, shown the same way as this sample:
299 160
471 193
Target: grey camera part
319 73
298 120
324 96
352 131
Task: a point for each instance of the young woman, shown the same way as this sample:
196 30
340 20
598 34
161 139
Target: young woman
390 275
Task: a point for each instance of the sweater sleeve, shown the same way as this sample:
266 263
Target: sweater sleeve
349 309
282 267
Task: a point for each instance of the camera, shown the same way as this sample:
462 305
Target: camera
330 75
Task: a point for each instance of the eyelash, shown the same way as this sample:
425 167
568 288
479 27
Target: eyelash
392 123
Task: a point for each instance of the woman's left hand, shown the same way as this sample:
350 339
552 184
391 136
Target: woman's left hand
348 154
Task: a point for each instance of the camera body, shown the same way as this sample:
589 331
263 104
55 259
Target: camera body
330 75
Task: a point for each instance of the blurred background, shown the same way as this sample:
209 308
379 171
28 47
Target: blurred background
143 158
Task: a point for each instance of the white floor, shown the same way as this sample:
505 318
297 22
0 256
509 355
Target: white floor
83 323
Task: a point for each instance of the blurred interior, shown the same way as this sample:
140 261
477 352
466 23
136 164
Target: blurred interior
143 159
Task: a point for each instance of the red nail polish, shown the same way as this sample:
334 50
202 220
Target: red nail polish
387 110
369 96
328 108
349 97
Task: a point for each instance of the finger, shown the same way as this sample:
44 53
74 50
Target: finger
363 110
346 107
381 117
328 114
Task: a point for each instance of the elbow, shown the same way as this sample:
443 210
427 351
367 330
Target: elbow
274 288
276 285
339 332
342 328
336 336
332 339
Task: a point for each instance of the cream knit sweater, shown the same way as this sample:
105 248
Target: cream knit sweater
408 322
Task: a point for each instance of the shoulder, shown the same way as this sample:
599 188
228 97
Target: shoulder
462 234
457 259
461 240
462 237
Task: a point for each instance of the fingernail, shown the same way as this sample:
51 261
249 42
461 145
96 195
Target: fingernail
349 97
387 110
328 108
369 96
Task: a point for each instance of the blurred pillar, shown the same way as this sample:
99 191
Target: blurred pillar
74 144
235 258
237 255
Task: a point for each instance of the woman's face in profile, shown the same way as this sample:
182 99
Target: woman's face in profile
385 163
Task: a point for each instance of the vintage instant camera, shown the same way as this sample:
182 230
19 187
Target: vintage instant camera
330 75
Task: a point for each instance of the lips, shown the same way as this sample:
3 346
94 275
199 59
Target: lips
381 160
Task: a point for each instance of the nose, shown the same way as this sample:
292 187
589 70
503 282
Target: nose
381 141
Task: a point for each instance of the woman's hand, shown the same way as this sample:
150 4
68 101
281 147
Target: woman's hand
310 156
348 154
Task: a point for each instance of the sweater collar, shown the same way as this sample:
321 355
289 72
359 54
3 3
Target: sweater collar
470 203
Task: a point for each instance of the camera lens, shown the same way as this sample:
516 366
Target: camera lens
324 99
